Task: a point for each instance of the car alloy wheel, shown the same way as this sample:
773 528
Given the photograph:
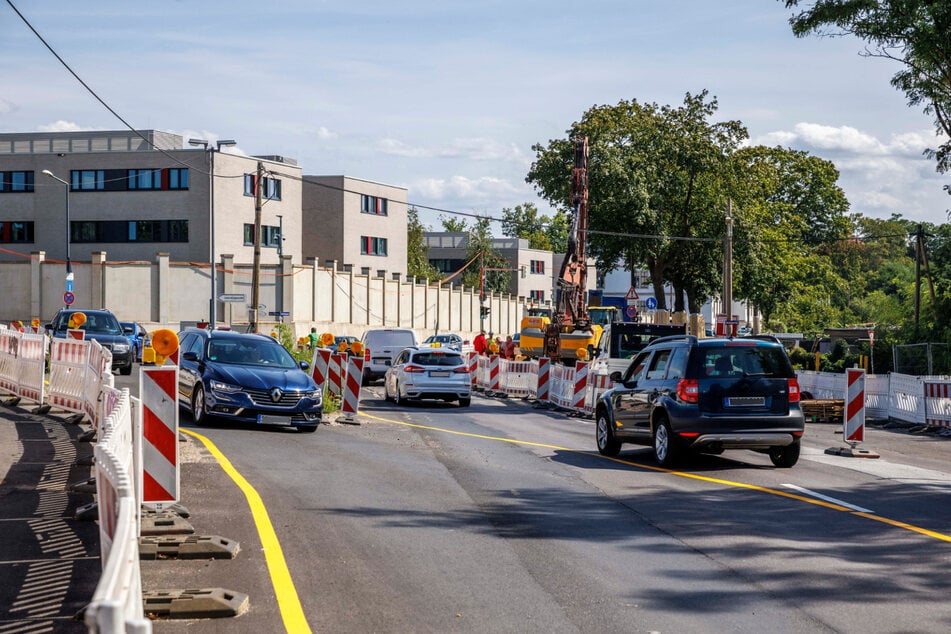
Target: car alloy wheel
198 406
608 445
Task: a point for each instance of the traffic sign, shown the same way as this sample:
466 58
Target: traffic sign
231 298
68 298
631 311
278 313
651 303
631 293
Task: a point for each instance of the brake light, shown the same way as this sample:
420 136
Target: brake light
461 370
414 369
793 390
366 355
688 390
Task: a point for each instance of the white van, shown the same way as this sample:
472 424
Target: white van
381 345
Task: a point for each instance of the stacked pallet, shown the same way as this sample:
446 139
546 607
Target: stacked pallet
823 410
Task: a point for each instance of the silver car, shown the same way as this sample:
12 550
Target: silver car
453 342
434 373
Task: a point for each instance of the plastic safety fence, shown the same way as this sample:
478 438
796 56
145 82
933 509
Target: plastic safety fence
116 604
518 378
937 403
472 365
598 384
68 359
336 372
9 368
493 375
562 385
482 373
31 359
543 380
98 366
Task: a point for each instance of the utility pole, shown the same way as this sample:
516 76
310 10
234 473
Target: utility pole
256 277
728 265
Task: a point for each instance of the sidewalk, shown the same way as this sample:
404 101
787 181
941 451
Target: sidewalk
49 561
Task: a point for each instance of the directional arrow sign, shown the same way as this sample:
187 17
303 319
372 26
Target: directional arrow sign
231 298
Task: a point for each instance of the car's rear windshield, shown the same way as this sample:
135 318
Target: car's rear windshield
390 338
96 323
250 352
437 358
744 359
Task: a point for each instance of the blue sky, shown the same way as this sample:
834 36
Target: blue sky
447 98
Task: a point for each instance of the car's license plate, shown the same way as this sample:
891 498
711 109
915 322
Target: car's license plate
270 419
438 373
745 401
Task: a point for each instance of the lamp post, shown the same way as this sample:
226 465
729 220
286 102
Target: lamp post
69 264
213 300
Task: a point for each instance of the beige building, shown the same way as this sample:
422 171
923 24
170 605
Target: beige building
355 223
133 197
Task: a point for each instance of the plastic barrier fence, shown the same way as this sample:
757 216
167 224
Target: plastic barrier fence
482 373
598 384
9 368
562 385
31 357
98 366
67 371
518 378
937 402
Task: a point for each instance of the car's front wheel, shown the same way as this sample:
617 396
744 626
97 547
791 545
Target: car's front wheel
126 371
465 402
608 444
787 456
666 450
199 415
396 395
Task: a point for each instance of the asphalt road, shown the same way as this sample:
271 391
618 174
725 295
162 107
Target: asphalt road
501 518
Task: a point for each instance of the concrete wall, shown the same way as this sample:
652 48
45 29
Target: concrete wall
166 293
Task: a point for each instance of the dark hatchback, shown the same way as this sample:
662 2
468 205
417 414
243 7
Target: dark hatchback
245 377
682 394
101 326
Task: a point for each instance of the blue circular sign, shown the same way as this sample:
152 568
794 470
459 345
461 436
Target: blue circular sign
651 303
69 298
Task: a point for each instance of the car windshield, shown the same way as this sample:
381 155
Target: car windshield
250 352
439 339
97 323
437 358
390 338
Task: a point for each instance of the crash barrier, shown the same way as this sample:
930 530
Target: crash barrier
562 385
517 378
23 364
117 604
351 396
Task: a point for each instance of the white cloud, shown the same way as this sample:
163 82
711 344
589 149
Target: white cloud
324 133
6 107
475 149
64 126
480 190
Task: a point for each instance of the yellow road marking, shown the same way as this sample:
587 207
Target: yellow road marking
287 600
683 474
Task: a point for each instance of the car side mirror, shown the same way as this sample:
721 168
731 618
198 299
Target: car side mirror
190 356
304 365
616 376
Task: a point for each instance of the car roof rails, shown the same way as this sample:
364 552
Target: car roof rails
770 338
687 338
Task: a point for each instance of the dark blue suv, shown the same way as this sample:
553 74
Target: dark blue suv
682 394
245 377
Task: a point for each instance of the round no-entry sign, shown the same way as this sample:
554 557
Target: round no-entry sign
68 298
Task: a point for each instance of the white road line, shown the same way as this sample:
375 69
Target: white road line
828 499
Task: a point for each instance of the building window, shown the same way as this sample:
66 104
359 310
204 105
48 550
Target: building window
178 178
372 205
538 267
536 296
11 182
270 236
270 188
372 246
145 179
129 231
88 180
16 231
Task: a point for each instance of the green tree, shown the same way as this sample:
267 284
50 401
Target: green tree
479 246
911 32
542 232
453 225
417 253
652 171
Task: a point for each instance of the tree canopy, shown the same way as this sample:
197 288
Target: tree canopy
417 254
542 232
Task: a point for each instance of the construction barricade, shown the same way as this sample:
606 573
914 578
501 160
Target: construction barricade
580 386
335 373
68 358
9 368
562 385
518 378
98 367
351 394
598 384
472 365
937 402
482 373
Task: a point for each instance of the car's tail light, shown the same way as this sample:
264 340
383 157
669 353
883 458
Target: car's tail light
414 369
461 370
793 390
688 390
366 355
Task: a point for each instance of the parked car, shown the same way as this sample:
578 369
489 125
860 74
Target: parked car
453 342
137 335
348 339
380 347
101 326
682 394
245 377
424 372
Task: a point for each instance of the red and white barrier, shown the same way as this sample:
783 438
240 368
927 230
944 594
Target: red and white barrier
68 360
598 384
854 429
937 403
562 385
9 368
351 395
543 383
31 358
98 366
580 387
517 378
158 389
472 365
320 365
492 384
335 373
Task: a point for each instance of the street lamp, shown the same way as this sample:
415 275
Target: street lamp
69 264
213 300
